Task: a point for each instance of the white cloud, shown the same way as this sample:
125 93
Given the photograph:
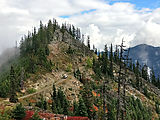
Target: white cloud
113 22
108 24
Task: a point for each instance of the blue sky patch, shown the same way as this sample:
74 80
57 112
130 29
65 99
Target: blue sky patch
82 12
139 4
88 11
65 16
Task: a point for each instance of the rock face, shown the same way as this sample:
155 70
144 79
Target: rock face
146 54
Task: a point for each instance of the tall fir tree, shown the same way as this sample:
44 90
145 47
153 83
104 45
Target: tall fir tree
49 31
54 95
88 42
158 82
73 31
153 77
104 64
54 107
106 51
137 73
75 108
35 43
116 54
41 33
13 96
111 62
66 107
145 72
19 112
82 110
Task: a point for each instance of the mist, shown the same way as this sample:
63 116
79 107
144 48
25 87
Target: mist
8 54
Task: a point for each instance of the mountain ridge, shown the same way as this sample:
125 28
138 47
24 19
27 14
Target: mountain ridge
146 54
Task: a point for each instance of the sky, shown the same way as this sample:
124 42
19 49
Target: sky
106 21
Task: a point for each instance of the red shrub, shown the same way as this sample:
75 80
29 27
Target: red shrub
46 115
28 115
49 101
94 93
32 101
95 107
42 115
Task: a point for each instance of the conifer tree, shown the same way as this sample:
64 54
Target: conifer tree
54 100
111 53
145 90
111 111
119 81
22 47
41 33
55 25
78 34
157 107
54 95
63 30
35 43
104 65
13 96
65 107
75 108
88 42
111 62
59 107
70 30
144 72
105 61
116 54
73 31
153 78
106 51
137 73
82 110
96 51
94 48
130 65
82 39
19 112
22 79
49 31
54 107
137 82
134 68
60 96
158 82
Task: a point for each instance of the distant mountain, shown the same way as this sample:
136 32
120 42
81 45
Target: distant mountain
146 54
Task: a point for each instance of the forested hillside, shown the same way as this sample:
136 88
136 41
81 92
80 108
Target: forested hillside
57 73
